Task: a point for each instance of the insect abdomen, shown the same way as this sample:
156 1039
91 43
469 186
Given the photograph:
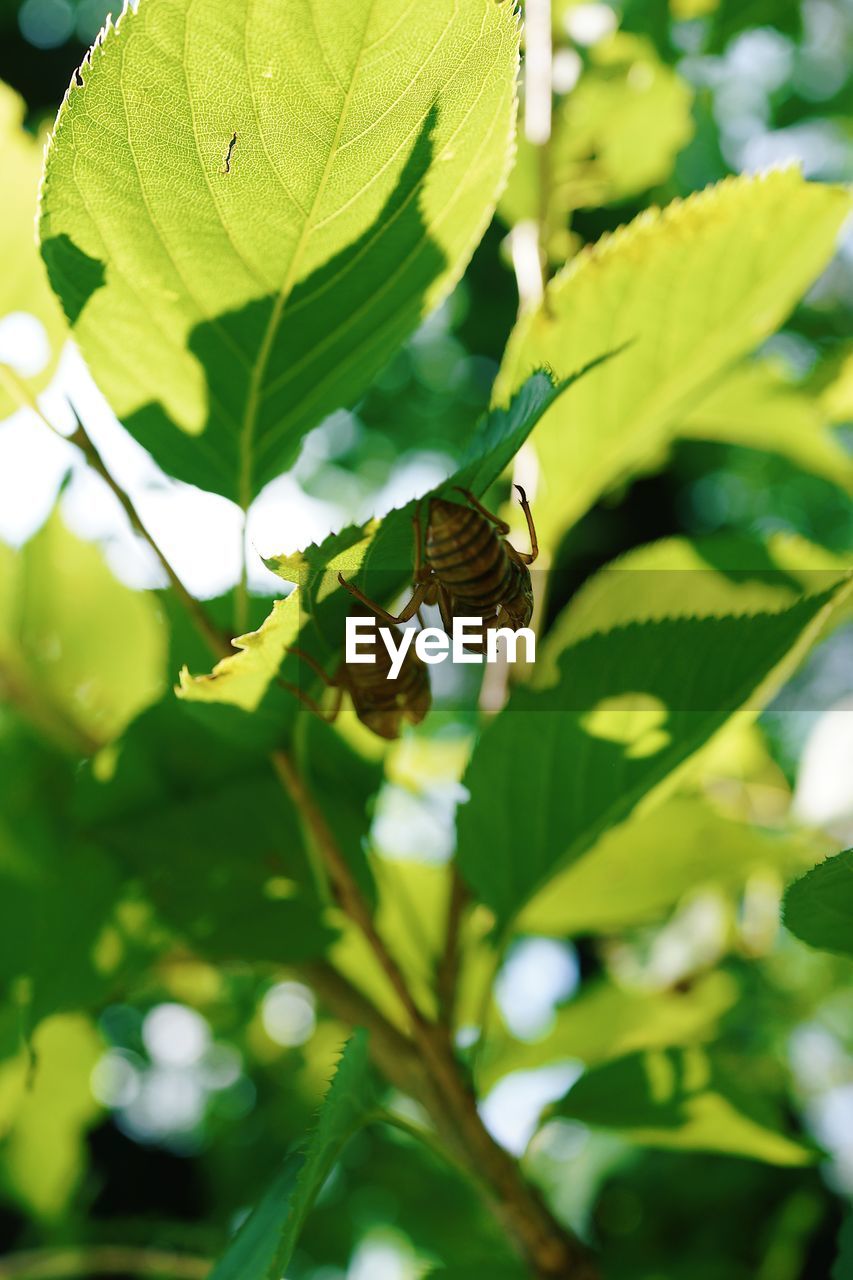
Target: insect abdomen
467 555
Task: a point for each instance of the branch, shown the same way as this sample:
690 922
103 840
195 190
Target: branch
213 638
102 1260
552 1253
447 969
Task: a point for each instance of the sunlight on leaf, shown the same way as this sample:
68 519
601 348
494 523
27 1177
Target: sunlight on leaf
247 208
691 288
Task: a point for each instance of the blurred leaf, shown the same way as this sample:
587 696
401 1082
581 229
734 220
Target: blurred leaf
637 871
757 407
411 916
52 958
80 653
843 1269
606 1021
24 290
264 1245
837 398
734 16
683 1099
561 765
262 207
819 907
478 1271
691 289
616 133
212 838
44 1155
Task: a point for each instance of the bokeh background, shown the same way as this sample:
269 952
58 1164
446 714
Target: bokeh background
195 1085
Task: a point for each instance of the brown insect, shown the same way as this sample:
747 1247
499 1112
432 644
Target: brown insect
380 701
467 567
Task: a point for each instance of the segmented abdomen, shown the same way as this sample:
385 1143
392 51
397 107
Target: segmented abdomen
467 556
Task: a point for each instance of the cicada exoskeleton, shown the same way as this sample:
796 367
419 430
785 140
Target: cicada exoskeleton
467 567
381 701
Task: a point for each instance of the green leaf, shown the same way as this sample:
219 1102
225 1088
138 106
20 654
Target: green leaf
24 289
819 907
693 578
51 959
681 1099
615 134
843 1269
44 1154
377 555
80 653
692 289
261 202
606 1021
211 837
264 1245
686 842
757 407
561 765
837 398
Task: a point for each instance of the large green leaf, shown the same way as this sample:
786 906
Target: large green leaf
265 1243
683 1099
691 289
80 653
757 407
24 290
606 1021
248 206
819 907
561 765
52 959
686 842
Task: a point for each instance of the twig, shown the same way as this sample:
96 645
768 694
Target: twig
447 969
215 640
552 1253
101 1260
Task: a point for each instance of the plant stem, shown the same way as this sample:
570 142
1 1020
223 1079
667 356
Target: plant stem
241 597
216 641
550 1251
447 970
108 1259
214 638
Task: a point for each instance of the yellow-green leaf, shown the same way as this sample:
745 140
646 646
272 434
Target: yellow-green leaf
248 206
690 289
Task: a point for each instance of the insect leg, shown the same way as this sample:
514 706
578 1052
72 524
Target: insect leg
383 615
527 557
500 525
314 707
313 664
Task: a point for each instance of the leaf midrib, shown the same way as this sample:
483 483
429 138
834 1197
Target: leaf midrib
259 367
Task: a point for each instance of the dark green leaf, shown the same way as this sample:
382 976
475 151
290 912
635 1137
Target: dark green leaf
819 907
264 1245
